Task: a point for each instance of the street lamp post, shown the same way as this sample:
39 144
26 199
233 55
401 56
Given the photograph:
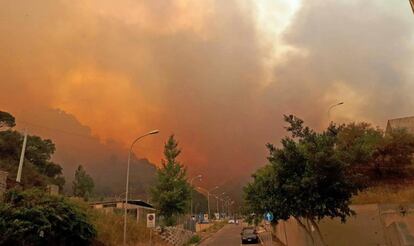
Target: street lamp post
127 179
231 211
227 200
191 183
217 199
208 198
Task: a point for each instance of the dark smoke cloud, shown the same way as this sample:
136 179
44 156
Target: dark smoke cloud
357 51
198 70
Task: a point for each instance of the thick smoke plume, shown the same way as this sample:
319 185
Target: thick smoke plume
200 70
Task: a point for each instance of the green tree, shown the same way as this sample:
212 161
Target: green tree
394 155
372 156
82 184
6 120
32 217
38 168
305 179
356 144
171 192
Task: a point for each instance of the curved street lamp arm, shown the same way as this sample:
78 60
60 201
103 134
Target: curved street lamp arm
127 180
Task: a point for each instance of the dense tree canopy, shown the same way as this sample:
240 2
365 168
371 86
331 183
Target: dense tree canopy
305 179
82 184
171 192
38 168
374 156
32 217
6 120
314 175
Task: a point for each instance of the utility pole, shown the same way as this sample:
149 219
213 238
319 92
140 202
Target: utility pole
19 171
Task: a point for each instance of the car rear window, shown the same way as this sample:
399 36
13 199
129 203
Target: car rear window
248 231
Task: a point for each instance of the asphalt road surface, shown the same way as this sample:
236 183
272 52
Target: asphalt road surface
229 235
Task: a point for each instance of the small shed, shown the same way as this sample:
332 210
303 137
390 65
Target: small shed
136 208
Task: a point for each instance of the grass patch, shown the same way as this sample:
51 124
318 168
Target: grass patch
386 194
215 227
110 229
194 240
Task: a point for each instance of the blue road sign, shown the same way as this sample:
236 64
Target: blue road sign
268 216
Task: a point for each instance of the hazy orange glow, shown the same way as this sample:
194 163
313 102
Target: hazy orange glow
207 71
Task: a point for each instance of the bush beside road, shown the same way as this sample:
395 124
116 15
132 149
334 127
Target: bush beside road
401 193
211 229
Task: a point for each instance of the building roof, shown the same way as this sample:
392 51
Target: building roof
406 123
132 202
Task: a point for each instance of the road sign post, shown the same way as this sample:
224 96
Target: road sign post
268 217
151 220
151 224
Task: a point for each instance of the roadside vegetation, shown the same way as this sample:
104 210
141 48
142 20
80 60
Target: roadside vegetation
82 185
171 192
215 227
386 194
194 240
32 217
39 169
109 227
313 175
29 215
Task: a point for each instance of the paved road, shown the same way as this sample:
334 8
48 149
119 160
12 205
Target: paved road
229 235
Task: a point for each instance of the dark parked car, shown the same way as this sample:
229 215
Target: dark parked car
249 235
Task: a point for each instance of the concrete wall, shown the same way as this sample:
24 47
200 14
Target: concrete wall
291 233
407 123
398 220
374 224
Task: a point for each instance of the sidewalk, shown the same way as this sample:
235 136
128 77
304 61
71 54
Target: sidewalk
265 236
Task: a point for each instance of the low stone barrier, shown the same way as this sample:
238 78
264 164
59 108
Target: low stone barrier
174 235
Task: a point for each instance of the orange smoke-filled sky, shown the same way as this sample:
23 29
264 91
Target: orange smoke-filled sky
218 74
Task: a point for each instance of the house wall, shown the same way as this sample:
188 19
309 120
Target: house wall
373 224
407 123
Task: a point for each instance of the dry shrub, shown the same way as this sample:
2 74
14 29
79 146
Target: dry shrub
110 228
386 194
